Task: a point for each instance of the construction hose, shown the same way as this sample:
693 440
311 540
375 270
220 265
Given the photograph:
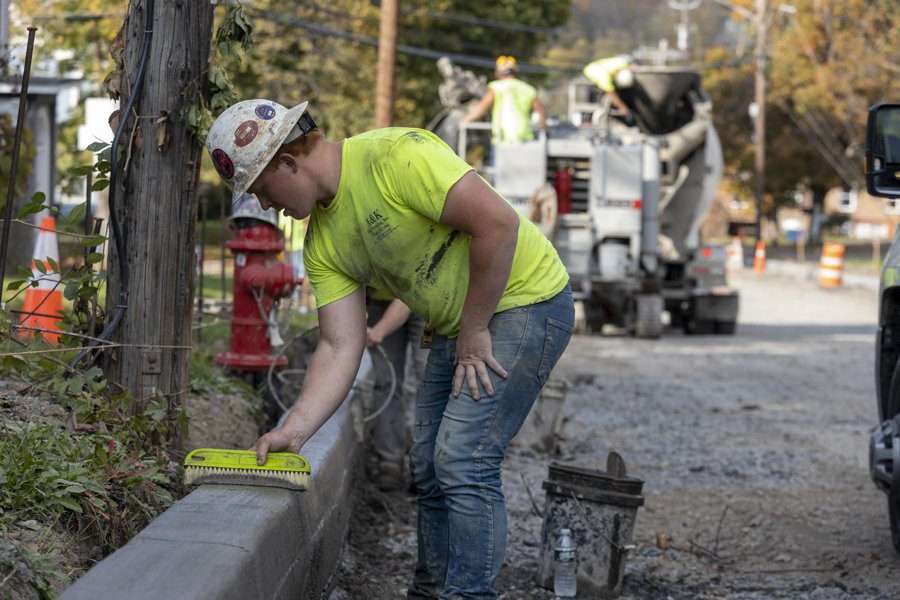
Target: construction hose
277 397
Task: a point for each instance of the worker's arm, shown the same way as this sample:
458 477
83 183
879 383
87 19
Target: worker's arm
332 369
479 109
538 107
474 208
617 101
396 314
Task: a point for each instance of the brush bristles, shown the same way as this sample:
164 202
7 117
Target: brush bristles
196 475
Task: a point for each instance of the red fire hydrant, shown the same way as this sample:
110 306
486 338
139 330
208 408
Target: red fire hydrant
259 279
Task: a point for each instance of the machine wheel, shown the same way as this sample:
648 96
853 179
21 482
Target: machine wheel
648 316
726 327
594 316
694 326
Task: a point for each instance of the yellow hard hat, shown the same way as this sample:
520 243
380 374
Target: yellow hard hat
507 63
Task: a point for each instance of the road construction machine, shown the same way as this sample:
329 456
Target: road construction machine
626 199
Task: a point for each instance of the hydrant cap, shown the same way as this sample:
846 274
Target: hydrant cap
245 137
248 207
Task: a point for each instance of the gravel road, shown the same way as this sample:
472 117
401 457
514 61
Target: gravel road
753 448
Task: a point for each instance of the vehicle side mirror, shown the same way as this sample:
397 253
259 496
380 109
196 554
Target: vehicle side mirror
883 151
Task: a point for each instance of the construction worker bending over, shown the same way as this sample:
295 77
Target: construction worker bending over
396 210
513 101
612 75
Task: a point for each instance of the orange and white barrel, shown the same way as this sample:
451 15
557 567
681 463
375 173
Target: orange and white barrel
831 265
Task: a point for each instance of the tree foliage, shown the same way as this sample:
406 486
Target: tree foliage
290 62
827 63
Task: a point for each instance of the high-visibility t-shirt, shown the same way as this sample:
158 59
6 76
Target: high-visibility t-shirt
511 115
382 230
603 72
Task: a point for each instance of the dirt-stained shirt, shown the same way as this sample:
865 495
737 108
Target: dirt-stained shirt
382 230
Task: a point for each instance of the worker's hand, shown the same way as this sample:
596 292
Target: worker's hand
474 354
281 439
373 336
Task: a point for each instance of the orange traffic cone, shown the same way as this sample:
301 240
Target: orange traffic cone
759 258
43 303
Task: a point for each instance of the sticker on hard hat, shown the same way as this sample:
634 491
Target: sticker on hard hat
265 112
245 133
223 163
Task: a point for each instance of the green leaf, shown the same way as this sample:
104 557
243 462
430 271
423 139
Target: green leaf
93 257
81 170
87 292
76 216
92 240
69 503
100 184
14 363
14 285
53 264
39 265
97 146
71 290
31 208
38 197
103 166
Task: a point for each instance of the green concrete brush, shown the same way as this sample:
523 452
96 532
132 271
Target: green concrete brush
217 466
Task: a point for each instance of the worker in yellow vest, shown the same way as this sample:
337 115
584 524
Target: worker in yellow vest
513 101
612 75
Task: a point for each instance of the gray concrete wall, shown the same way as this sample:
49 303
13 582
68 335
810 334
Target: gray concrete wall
225 542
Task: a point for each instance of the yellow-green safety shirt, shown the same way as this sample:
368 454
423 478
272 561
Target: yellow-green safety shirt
511 111
603 72
382 230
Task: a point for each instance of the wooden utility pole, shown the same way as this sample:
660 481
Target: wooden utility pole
156 203
387 50
759 121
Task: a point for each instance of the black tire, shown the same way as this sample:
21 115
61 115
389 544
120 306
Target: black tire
892 406
699 326
726 327
594 317
893 502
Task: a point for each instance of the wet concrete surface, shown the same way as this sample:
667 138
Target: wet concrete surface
753 448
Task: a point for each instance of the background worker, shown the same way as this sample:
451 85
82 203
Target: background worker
387 327
513 101
395 209
294 231
612 75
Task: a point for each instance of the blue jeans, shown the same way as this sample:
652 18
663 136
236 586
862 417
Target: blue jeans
458 449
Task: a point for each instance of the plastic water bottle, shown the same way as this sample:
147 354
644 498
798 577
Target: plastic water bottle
565 565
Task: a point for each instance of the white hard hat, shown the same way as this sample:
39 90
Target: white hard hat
624 78
248 207
245 137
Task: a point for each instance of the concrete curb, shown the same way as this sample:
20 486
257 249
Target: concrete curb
223 542
810 272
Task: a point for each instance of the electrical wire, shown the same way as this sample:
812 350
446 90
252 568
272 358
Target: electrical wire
462 59
118 238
